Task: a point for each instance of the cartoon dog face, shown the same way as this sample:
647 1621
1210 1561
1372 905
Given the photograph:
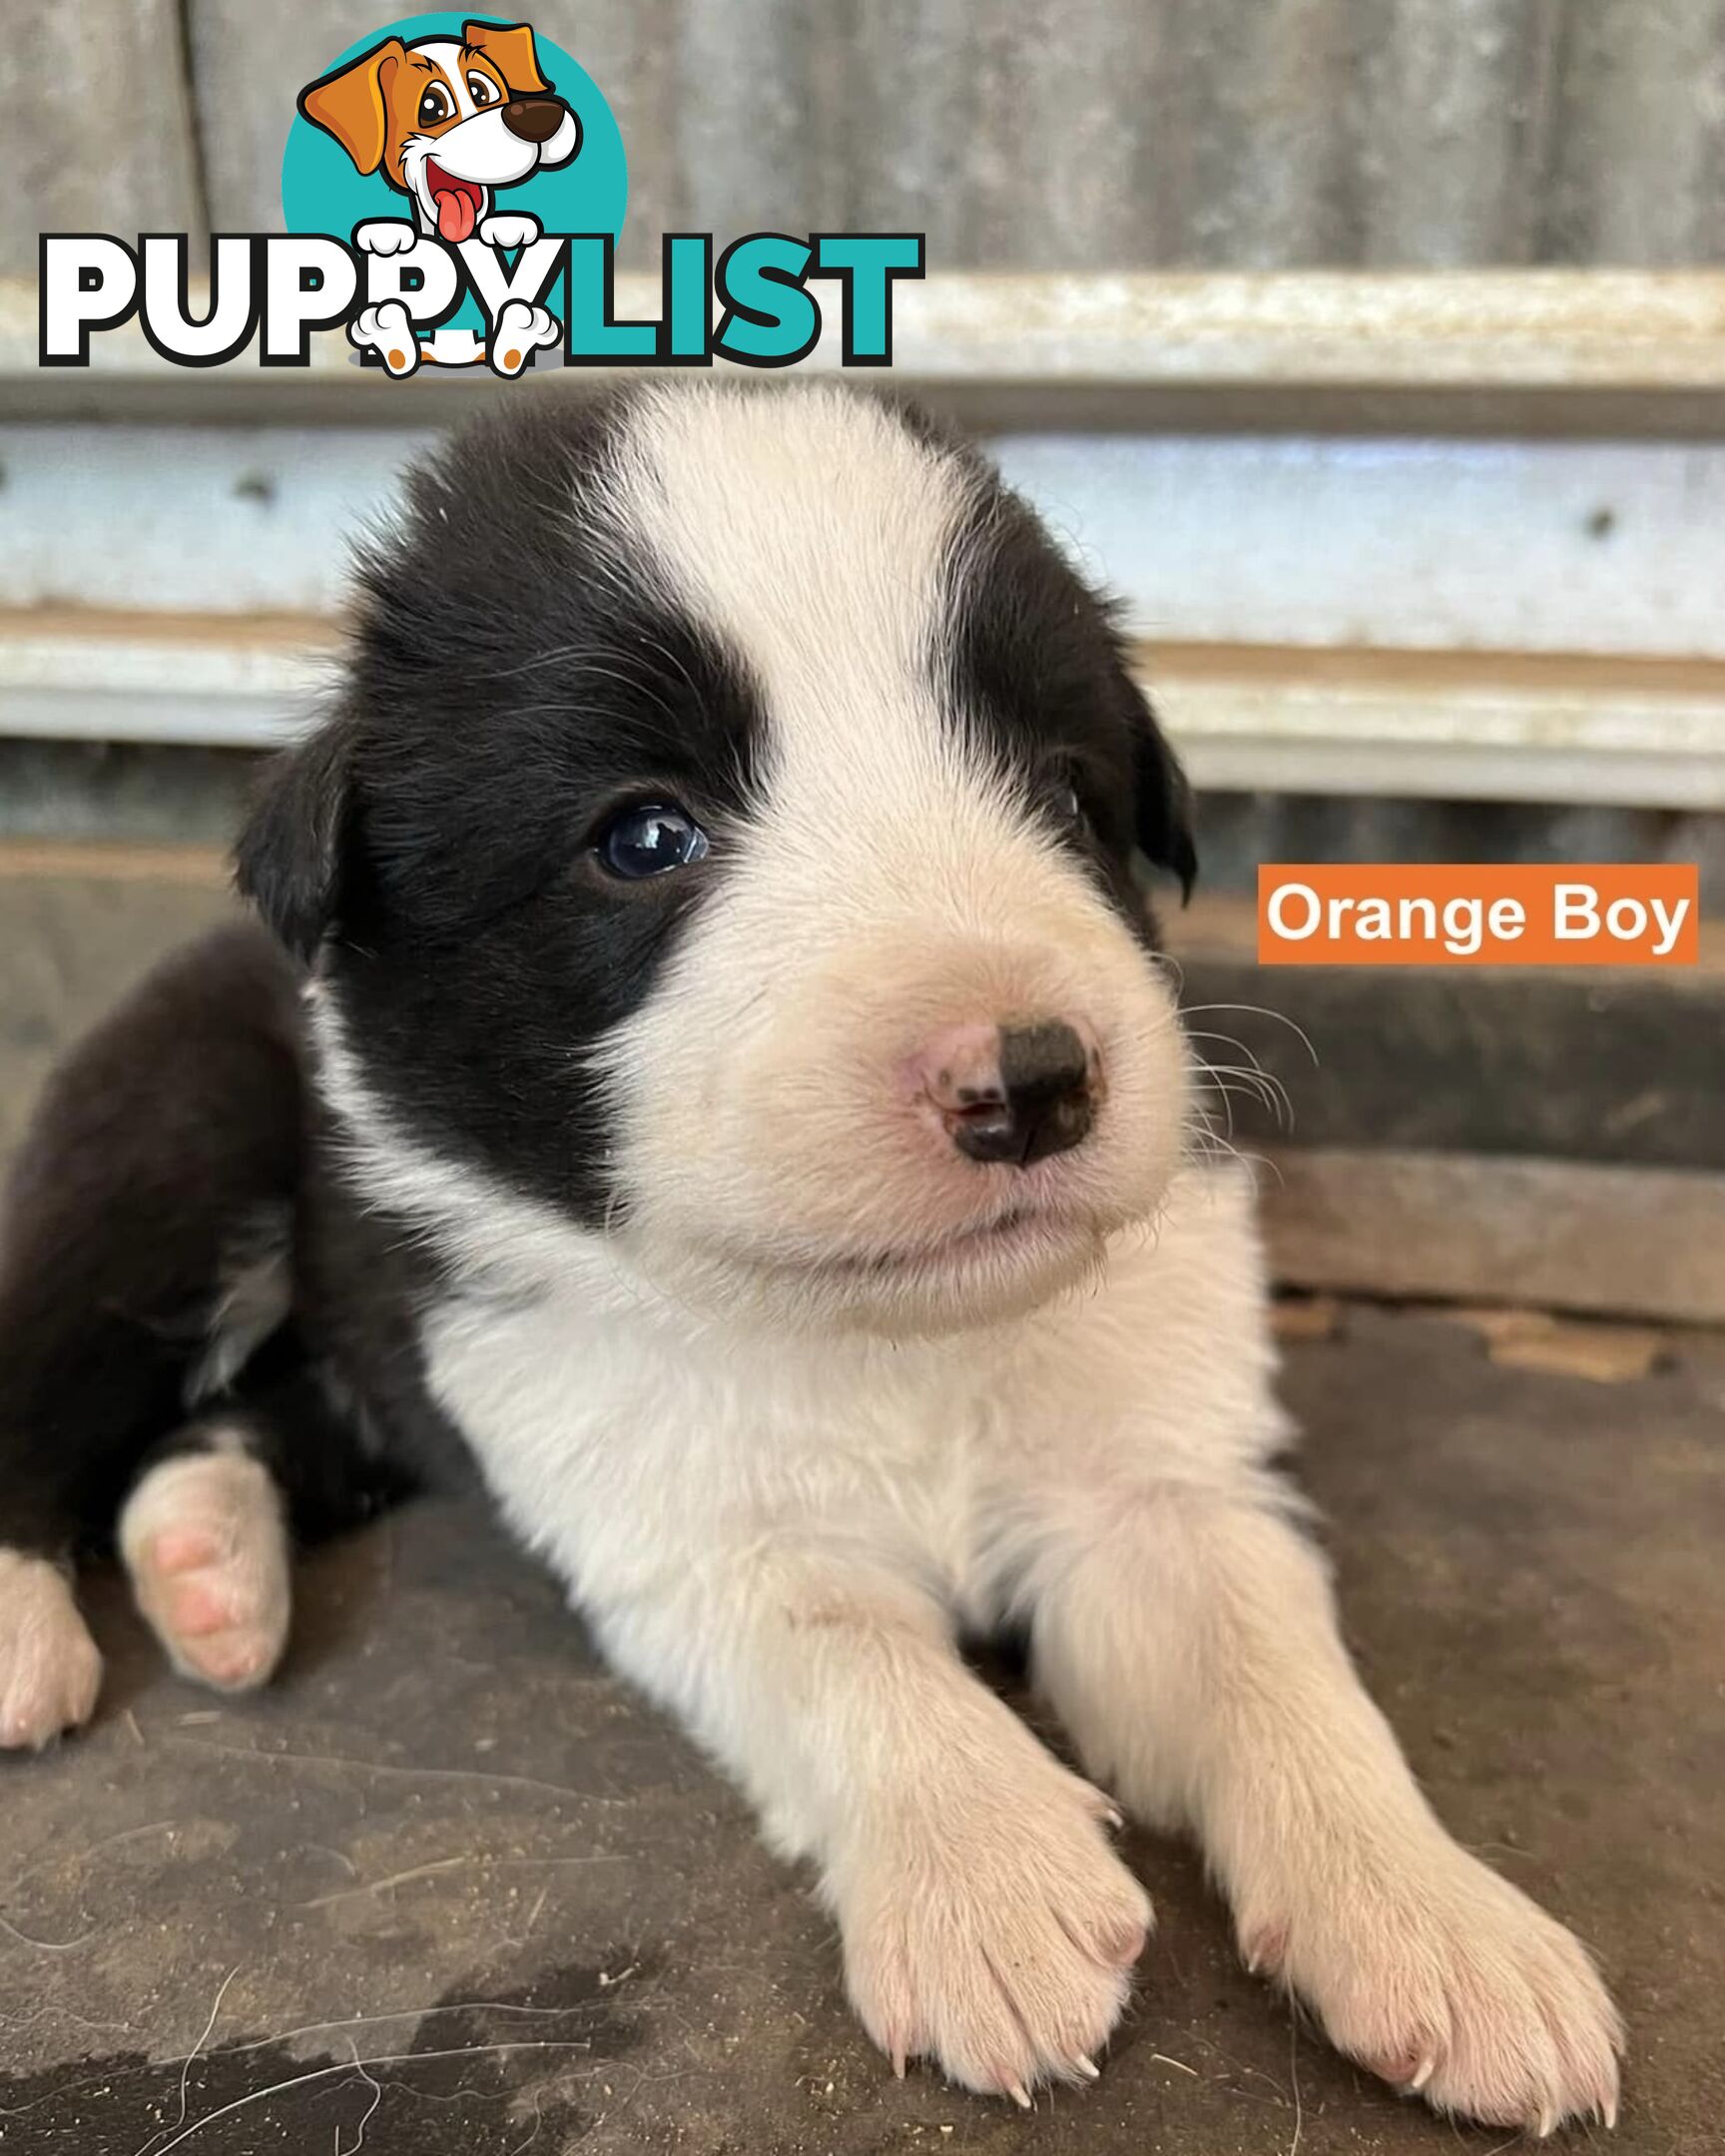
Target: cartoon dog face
447 123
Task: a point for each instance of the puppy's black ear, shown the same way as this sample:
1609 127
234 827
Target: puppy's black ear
1163 806
289 862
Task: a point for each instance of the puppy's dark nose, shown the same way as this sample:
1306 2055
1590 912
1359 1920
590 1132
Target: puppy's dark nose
1014 1093
534 119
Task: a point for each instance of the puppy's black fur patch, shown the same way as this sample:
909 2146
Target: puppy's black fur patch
516 678
1036 667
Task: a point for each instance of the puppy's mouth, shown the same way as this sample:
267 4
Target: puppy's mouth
1022 1234
456 203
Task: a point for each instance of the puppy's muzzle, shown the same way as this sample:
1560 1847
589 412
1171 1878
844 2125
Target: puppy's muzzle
1014 1093
534 119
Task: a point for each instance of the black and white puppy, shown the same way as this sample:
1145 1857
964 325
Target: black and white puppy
715 1066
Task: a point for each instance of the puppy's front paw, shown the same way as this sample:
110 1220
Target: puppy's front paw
1441 1977
205 1542
996 1937
50 1671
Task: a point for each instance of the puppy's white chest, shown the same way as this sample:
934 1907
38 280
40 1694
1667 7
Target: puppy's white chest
621 1452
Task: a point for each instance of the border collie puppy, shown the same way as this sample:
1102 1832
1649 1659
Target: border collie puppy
712 1063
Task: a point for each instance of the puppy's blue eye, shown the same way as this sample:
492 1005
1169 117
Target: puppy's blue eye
650 839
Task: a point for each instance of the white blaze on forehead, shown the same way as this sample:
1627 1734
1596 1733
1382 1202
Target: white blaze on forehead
448 58
812 531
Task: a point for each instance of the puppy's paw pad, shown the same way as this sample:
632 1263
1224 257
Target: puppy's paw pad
1450 1984
1001 1947
205 1543
50 1670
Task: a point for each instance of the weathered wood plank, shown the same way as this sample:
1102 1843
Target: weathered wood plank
96 125
1630 1242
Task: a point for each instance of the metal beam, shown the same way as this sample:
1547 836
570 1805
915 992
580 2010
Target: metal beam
1479 727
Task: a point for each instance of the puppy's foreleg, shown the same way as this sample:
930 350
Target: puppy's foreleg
1191 1645
986 1922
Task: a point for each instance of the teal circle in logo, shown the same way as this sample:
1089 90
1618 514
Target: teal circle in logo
323 192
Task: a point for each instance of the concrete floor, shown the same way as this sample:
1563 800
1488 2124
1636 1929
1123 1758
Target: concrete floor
446 1887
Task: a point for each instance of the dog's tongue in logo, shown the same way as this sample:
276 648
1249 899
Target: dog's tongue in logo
457 203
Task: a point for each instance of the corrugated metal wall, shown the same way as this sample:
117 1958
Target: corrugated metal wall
1071 134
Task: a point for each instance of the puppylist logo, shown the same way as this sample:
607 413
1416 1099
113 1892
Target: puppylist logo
453 189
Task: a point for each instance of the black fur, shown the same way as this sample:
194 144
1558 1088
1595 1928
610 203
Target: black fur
172 1138
1038 668
515 679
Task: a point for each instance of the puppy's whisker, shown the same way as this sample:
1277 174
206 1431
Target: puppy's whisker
1256 1085
1258 1010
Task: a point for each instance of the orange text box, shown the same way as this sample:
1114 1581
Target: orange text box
1440 913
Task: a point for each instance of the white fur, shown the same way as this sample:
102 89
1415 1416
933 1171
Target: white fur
204 1539
887 884
797 1417
50 1671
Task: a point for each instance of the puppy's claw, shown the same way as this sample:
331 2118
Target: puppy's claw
1087 2067
1019 2094
1421 2073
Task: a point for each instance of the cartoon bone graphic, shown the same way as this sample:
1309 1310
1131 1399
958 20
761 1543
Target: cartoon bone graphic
448 123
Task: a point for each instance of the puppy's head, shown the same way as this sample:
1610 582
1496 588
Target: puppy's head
726 858
446 122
